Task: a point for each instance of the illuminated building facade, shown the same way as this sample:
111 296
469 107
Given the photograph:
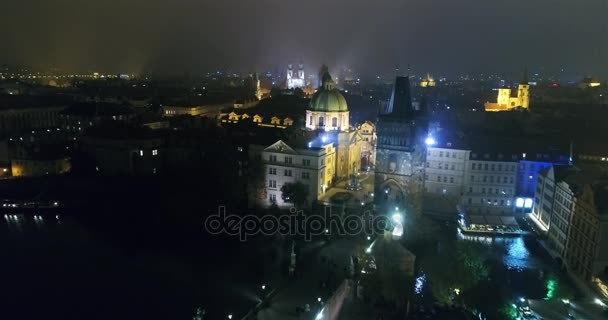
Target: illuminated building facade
490 183
295 78
573 199
505 100
427 81
312 166
328 109
368 147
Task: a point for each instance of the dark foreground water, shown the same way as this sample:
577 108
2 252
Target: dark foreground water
62 269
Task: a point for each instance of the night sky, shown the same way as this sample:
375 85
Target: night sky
446 37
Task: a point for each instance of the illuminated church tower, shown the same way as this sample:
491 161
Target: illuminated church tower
505 102
523 91
295 78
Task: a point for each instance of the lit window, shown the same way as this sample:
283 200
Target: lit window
154 152
141 153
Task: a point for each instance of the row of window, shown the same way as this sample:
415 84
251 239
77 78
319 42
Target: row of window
288 160
442 178
154 152
492 179
334 121
288 173
492 166
445 166
446 154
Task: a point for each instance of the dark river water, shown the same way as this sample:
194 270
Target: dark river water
57 268
54 267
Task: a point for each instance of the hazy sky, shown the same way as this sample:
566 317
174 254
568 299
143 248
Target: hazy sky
371 36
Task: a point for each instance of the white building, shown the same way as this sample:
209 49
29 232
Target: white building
368 148
312 166
490 181
445 171
295 79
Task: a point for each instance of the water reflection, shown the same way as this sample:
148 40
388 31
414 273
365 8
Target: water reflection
511 250
19 222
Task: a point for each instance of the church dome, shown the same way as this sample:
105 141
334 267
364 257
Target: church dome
328 98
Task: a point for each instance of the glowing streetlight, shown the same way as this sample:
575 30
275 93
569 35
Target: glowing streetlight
430 141
369 238
263 287
324 139
599 302
397 218
229 316
319 299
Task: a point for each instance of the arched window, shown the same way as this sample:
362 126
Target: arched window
334 122
321 121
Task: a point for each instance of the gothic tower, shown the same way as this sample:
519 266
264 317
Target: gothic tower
400 148
523 91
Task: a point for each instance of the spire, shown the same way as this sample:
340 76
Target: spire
525 79
400 104
571 157
327 82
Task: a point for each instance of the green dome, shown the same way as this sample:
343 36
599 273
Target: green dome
326 100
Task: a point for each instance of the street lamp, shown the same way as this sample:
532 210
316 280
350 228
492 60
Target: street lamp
599 302
397 218
263 287
319 299
229 316
429 141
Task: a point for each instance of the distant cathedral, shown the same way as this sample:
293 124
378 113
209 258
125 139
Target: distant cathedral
295 79
505 101
400 148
